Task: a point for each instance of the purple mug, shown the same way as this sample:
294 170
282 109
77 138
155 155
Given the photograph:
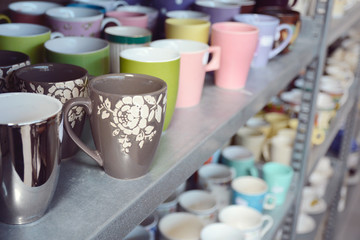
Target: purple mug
218 11
269 27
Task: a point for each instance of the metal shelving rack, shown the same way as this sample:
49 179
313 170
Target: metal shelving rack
88 204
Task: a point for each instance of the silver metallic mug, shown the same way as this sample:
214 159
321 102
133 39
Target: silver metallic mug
30 136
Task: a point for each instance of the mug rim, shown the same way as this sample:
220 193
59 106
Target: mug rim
233 208
26 26
105 45
216 5
249 178
191 22
116 35
24 70
46 4
201 47
97 14
56 109
271 19
219 26
20 58
120 76
129 54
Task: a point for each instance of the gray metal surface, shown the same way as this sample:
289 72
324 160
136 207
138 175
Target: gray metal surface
340 26
88 204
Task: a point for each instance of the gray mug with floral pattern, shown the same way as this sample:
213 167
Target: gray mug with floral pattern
63 82
126 114
9 62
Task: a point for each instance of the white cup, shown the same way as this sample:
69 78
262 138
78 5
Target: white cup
201 203
180 226
279 149
216 178
150 224
252 139
250 222
217 231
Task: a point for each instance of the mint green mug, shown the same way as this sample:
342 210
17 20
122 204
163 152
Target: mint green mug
90 53
241 159
278 176
27 38
163 63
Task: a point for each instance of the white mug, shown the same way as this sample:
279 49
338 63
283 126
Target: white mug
216 231
252 139
201 203
250 222
180 226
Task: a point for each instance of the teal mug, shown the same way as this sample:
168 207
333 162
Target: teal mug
278 176
241 159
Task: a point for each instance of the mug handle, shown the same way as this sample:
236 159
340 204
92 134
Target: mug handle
266 150
269 201
268 221
253 171
294 3
284 43
214 63
86 103
4 17
56 35
107 20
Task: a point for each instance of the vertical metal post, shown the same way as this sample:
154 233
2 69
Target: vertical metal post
307 113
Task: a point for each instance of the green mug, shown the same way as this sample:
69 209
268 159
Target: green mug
163 63
90 53
241 159
27 38
278 176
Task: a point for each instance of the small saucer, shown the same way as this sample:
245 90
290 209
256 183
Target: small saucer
305 224
318 207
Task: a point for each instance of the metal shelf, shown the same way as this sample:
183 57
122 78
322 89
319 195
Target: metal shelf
330 193
88 204
340 26
336 123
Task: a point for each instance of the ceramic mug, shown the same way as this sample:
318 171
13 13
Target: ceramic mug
27 38
278 177
138 233
218 11
30 11
279 149
188 14
135 19
109 5
85 5
216 178
93 54
286 16
30 135
124 37
126 116
150 224
194 64
9 62
168 206
163 63
238 43
216 231
152 13
201 203
78 21
252 139
239 158
63 82
180 226
239 216
269 27
252 192
186 28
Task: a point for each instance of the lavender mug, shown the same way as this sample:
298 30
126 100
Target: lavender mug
269 27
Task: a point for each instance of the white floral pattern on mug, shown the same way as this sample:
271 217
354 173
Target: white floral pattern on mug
64 91
132 117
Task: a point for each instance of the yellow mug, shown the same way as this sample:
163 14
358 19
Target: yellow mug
4 17
186 28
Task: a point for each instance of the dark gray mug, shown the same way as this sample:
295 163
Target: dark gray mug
126 114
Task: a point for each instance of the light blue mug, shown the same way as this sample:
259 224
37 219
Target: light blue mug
241 159
252 192
278 177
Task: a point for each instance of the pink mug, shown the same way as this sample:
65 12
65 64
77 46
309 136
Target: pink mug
194 64
238 43
135 19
